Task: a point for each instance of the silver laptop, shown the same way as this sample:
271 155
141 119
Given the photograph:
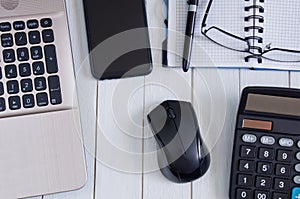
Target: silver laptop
41 148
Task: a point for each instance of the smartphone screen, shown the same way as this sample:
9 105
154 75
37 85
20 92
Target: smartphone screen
118 38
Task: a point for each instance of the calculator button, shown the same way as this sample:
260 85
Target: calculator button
296 193
297 179
2 104
32 24
34 37
19 25
28 101
7 40
243 194
284 156
42 99
10 71
263 182
47 22
12 87
36 52
23 54
281 196
14 103
266 154
51 61
249 138
38 68
26 85
298 156
261 195
40 83
1 88
265 168
246 165
245 180
20 38
9 56
267 140
48 36
286 142
281 184
24 70
297 168
282 170
5 26
247 152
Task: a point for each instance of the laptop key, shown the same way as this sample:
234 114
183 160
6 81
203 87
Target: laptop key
26 85
23 54
48 36
42 99
51 60
24 70
19 25
1 88
20 38
38 68
28 101
10 71
14 103
34 37
40 83
7 40
32 24
9 56
12 87
2 104
4 27
36 52
46 22
55 90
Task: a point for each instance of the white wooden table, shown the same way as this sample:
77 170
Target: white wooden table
120 149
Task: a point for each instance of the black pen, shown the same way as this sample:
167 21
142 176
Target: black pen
189 34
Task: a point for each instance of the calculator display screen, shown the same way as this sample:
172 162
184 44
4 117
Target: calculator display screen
273 104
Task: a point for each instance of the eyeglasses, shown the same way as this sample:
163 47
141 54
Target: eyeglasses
237 43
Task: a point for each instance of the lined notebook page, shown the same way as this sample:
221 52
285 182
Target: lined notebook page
282 25
228 15
281 29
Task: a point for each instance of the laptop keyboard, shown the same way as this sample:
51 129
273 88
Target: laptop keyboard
29 67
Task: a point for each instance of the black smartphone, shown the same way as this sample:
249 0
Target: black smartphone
118 38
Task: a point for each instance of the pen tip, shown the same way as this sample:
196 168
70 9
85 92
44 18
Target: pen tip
185 65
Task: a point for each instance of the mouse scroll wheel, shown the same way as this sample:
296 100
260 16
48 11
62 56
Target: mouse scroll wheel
171 113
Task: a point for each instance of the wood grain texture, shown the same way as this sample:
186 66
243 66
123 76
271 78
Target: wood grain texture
216 97
119 139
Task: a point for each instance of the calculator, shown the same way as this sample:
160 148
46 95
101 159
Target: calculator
266 152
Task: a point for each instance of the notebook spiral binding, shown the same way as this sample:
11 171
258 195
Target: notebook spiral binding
255 13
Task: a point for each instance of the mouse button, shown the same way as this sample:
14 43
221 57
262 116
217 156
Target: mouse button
157 118
171 113
166 135
188 128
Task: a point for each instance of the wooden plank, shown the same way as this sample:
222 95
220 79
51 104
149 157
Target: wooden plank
216 97
175 85
264 78
87 94
119 139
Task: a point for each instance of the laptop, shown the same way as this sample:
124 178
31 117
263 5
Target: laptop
41 147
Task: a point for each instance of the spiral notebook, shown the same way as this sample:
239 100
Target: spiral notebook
238 33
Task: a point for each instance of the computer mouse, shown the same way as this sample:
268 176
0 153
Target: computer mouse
182 155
